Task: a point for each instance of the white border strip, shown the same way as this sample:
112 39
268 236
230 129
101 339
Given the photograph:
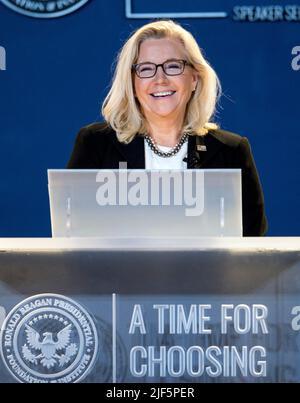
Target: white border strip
2 316
114 338
130 14
60 245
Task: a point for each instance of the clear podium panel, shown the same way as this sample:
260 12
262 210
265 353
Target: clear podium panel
210 313
139 203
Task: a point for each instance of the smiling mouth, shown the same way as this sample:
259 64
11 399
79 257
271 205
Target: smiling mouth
162 94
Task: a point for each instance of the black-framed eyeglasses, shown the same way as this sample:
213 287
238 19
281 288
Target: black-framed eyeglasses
172 67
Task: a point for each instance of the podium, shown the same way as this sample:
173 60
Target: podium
153 287
153 310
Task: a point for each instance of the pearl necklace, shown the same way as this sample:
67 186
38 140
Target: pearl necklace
170 153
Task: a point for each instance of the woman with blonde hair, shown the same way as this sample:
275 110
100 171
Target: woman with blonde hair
158 116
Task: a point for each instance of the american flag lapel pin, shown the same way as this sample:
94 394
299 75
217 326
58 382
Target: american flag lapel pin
201 148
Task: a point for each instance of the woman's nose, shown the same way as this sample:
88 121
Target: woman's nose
160 75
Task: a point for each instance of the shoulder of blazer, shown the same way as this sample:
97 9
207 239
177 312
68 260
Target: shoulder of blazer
101 139
227 138
97 132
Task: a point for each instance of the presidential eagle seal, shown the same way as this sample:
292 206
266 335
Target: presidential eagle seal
49 338
44 8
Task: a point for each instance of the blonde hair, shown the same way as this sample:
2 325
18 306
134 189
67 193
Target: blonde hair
120 109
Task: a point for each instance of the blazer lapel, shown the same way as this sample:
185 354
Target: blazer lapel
133 153
201 150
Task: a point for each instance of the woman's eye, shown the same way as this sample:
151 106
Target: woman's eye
146 68
173 66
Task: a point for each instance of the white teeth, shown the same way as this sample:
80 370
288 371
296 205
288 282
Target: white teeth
163 94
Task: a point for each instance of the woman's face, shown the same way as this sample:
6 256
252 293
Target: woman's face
178 88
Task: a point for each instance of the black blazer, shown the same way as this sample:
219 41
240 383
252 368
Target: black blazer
97 147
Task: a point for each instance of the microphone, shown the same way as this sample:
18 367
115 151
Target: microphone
194 161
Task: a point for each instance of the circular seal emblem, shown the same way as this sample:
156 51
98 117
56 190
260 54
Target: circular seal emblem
44 8
49 338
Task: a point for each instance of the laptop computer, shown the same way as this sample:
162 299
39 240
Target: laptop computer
145 203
